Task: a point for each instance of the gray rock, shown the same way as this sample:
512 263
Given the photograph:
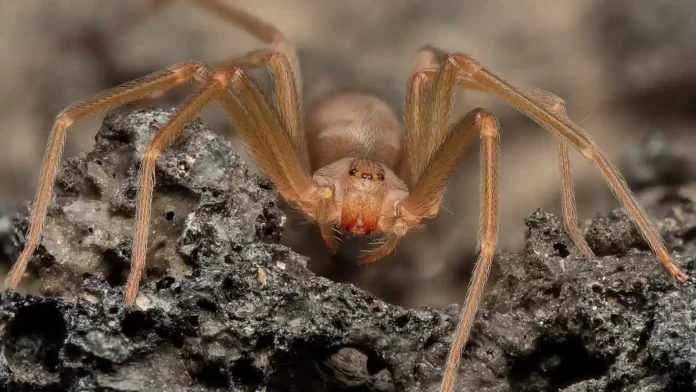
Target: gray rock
224 307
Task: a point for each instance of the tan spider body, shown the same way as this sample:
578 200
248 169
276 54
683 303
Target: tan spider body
349 164
355 147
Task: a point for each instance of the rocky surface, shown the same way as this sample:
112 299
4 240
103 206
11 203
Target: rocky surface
224 307
625 68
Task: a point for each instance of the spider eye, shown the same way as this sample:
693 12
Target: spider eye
353 171
380 175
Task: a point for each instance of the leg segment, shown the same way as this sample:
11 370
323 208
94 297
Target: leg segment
419 92
570 214
442 158
326 204
556 105
260 127
285 76
488 127
128 92
464 72
563 128
265 32
288 100
374 255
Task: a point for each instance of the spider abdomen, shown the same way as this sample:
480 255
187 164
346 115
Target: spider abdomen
353 125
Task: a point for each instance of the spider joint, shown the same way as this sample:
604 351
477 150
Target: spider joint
467 63
400 227
487 123
64 120
198 70
588 153
325 192
224 77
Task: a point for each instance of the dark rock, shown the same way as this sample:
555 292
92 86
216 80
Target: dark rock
224 307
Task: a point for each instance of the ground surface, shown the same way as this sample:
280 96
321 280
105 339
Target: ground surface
224 305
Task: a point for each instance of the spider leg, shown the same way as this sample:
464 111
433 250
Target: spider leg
464 72
483 122
570 216
420 139
570 213
107 100
434 177
272 130
260 127
374 255
416 114
479 77
326 229
263 31
441 159
287 80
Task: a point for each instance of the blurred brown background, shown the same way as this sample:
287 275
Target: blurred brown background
626 70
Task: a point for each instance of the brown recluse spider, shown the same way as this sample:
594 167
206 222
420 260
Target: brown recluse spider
350 164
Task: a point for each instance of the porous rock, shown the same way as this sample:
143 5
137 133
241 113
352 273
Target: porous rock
224 307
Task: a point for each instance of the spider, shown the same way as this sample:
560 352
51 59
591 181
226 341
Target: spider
350 164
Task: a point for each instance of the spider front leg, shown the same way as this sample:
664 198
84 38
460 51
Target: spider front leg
272 130
427 61
420 202
423 141
287 81
263 129
487 238
107 100
325 206
434 149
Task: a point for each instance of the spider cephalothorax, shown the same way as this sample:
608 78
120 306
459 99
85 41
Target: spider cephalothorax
364 194
350 164
363 197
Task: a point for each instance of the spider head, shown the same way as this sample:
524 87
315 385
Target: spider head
364 194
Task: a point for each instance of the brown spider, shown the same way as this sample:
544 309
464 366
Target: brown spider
349 165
